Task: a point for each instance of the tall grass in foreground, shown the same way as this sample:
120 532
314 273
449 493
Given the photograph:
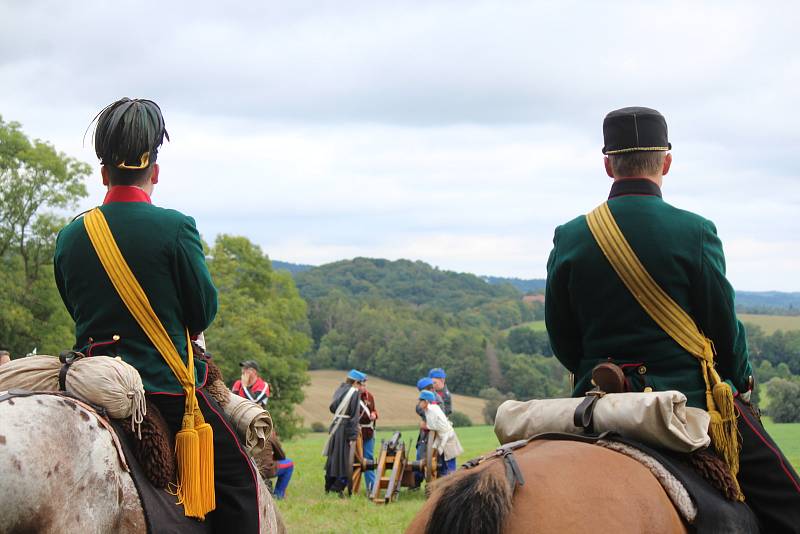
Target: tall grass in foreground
307 510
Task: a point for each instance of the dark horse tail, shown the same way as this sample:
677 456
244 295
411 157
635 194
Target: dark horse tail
471 501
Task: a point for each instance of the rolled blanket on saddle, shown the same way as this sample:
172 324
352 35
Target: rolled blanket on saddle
252 422
101 380
659 419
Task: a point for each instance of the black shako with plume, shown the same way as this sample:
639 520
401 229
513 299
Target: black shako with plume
129 133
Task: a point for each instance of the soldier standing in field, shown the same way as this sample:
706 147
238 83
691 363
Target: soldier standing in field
439 378
592 317
346 409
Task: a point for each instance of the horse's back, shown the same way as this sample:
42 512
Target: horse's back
575 487
61 471
572 487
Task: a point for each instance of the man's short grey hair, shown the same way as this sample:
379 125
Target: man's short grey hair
637 163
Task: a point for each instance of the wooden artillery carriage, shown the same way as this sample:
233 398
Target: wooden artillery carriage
393 469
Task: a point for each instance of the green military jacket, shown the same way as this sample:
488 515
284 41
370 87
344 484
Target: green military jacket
164 251
592 317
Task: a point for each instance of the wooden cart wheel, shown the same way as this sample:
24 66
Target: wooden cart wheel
357 462
431 459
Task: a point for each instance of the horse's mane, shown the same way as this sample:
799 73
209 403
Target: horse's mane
471 500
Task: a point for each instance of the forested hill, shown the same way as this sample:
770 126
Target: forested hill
293 268
533 285
415 283
398 319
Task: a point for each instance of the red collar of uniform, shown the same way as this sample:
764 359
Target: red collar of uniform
126 193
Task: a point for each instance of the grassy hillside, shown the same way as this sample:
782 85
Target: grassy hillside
395 402
771 323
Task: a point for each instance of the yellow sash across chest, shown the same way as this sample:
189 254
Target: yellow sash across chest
194 443
675 322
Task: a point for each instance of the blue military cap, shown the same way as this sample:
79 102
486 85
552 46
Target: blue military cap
427 395
423 383
357 375
437 372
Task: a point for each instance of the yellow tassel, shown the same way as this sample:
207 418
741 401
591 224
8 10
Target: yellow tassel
723 431
206 438
187 450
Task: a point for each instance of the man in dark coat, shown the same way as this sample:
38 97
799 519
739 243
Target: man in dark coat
439 378
592 317
163 250
343 432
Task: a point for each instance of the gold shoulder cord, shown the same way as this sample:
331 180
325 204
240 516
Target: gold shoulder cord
194 443
675 322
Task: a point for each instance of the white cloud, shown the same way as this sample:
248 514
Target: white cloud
459 133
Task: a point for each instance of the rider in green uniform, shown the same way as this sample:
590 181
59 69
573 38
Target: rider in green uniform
592 317
165 254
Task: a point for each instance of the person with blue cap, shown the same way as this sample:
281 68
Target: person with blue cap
445 440
439 377
343 432
423 384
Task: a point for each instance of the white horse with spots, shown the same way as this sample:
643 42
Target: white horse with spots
60 472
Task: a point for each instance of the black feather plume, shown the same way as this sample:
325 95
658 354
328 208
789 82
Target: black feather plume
126 130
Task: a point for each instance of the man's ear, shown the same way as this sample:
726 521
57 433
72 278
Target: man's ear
104 174
154 175
667 164
609 169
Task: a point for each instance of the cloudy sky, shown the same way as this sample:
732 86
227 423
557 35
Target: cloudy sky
459 133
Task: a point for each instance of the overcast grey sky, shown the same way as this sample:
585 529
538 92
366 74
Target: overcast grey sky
458 133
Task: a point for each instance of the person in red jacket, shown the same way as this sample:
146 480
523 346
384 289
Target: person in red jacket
252 386
369 415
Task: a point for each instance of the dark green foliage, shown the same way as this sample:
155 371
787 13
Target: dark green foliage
534 377
415 283
494 399
35 181
535 285
460 419
261 317
779 348
317 426
398 319
293 268
784 400
525 340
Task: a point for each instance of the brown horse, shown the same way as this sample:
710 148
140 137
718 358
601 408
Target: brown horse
569 487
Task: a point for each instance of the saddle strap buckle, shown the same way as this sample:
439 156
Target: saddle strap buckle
67 358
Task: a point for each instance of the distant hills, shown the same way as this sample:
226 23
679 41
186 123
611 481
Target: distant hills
293 268
534 285
414 284
411 282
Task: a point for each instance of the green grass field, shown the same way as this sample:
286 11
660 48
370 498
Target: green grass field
308 510
771 323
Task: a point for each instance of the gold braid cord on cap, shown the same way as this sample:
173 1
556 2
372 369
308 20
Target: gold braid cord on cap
680 327
194 443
